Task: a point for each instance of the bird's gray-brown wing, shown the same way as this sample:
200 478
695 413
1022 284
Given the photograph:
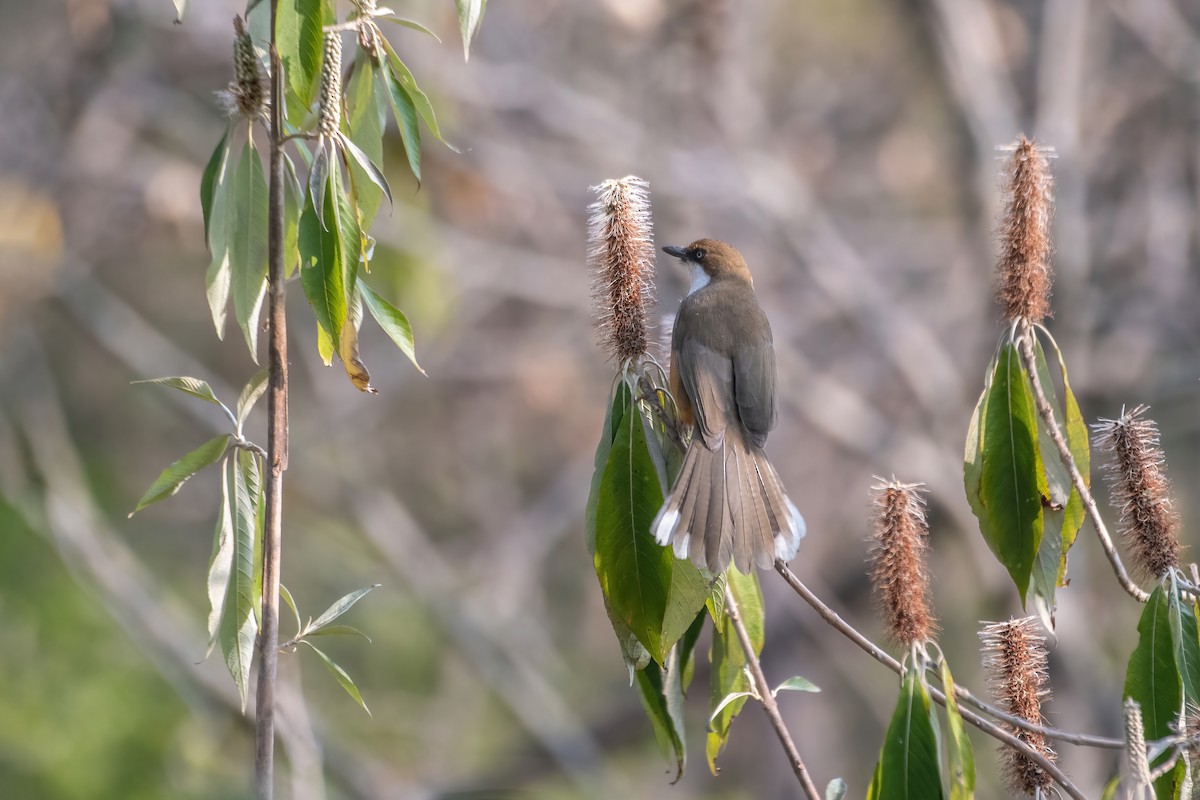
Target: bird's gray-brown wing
707 378
754 388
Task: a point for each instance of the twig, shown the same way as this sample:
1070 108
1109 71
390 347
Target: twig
277 441
768 700
1025 346
876 652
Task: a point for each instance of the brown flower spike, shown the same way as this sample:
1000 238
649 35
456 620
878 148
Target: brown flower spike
1014 654
1024 266
1140 490
621 257
898 572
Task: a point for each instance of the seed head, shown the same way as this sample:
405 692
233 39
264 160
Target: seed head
898 572
1024 266
621 257
1014 654
1140 490
331 85
246 96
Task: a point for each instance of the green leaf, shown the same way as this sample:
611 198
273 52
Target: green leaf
318 178
618 405
393 322
909 763
193 386
341 606
662 699
248 244
1011 482
716 600
728 675
338 630
419 99
293 201
406 118
363 124
655 595
1077 441
348 350
1185 638
251 392
1110 788
251 468
210 180
287 598
408 23
1043 582
324 345
238 625
726 700
300 39
796 684
329 253
220 562
470 14
1152 678
836 790
174 476
342 677
687 649
960 758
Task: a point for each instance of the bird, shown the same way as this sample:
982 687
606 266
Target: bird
727 503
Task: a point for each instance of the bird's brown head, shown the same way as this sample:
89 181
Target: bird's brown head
711 259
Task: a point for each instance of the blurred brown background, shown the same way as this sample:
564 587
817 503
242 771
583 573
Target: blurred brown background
846 146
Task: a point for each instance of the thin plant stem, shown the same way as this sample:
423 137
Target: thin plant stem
277 442
763 691
991 729
1029 360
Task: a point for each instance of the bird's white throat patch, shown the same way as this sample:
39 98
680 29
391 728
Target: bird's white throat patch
700 278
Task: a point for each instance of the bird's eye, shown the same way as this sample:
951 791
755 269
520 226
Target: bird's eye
699 253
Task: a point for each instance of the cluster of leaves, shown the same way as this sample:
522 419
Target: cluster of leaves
658 604
327 215
235 567
1028 508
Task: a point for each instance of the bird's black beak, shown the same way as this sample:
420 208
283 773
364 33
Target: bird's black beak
678 252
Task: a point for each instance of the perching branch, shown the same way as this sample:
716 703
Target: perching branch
876 652
1029 360
763 691
277 440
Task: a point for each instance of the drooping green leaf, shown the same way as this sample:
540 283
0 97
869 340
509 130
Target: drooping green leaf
342 678
174 476
405 111
338 630
1043 578
363 125
796 683
193 386
373 173
318 179
251 392
291 603
1110 788
662 699
393 322
348 351
1011 481
324 345
293 202
209 181
687 649
909 763
248 244
1152 678
716 600
728 675
220 562
238 624
960 758
1077 441
470 15
618 406
419 99
340 606
1185 638
408 23
300 39
732 697
251 468
329 254
655 595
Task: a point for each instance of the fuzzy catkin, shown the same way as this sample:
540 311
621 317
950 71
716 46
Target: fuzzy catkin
331 85
899 576
621 257
1140 490
247 94
1014 654
1024 265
